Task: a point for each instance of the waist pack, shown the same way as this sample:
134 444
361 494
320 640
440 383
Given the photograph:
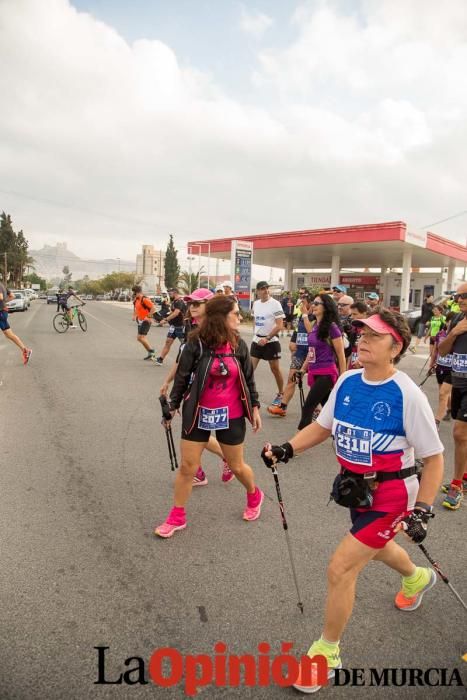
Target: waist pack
353 490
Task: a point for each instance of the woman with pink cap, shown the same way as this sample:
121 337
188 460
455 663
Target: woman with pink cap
196 304
380 422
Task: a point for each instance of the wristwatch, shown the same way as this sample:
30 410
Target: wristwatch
423 506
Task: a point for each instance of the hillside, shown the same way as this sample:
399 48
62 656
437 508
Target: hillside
49 262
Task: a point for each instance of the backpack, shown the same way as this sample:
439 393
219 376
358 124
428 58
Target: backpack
148 308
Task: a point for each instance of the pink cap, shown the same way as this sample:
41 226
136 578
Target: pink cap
199 295
376 323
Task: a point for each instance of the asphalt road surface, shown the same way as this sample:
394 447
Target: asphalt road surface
85 476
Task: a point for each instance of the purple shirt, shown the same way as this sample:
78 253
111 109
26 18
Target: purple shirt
320 352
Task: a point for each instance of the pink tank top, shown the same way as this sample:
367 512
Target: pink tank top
220 390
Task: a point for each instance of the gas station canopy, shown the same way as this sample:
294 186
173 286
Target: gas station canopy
370 245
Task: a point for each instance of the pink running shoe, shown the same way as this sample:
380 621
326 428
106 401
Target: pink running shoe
27 352
176 520
253 512
200 478
168 529
227 473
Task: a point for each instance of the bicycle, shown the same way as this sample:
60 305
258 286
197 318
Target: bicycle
61 321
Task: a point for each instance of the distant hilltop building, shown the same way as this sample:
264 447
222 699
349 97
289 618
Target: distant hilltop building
150 266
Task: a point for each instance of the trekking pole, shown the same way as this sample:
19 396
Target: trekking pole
424 365
166 418
437 568
286 530
299 381
428 375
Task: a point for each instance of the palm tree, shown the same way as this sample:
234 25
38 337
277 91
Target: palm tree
189 281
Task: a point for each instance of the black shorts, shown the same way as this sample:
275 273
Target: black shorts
4 325
176 332
443 375
270 351
233 435
289 318
143 327
459 404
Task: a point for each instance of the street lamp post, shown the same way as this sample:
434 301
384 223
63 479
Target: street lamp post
199 246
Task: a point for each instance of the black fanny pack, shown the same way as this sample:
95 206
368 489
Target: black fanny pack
353 490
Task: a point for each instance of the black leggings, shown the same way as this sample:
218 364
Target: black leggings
318 394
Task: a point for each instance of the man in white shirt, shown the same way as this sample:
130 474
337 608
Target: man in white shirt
269 319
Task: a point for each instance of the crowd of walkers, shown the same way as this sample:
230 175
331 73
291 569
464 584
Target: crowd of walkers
379 419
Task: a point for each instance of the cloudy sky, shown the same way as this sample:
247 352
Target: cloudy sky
122 122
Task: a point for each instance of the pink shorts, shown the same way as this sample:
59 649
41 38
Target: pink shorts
374 528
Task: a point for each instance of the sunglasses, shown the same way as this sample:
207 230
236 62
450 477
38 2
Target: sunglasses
196 304
342 305
463 295
317 303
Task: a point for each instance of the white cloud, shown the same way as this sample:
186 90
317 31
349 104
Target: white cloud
254 23
361 118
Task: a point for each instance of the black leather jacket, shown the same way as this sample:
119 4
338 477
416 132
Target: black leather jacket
192 372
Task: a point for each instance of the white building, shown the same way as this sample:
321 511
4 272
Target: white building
150 265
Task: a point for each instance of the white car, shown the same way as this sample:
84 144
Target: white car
19 303
30 293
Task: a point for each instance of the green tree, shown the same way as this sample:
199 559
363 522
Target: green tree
189 281
33 278
7 238
89 286
20 258
118 281
172 268
15 246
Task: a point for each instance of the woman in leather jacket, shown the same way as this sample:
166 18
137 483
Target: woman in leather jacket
214 379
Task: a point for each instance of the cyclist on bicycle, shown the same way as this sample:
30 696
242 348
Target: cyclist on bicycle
69 306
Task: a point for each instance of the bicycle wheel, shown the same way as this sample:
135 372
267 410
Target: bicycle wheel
60 322
82 321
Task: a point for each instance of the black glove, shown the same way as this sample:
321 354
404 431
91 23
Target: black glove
298 377
415 524
282 453
167 415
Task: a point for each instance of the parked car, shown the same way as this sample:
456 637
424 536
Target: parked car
19 303
31 294
27 300
42 295
88 297
51 298
100 297
124 297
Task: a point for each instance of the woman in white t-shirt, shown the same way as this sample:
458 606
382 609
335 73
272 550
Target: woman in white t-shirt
380 421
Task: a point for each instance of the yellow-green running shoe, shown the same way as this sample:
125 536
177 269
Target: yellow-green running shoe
331 653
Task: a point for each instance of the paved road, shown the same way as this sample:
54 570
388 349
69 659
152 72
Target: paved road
84 478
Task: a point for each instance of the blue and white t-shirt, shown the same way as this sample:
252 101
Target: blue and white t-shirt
381 426
300 338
